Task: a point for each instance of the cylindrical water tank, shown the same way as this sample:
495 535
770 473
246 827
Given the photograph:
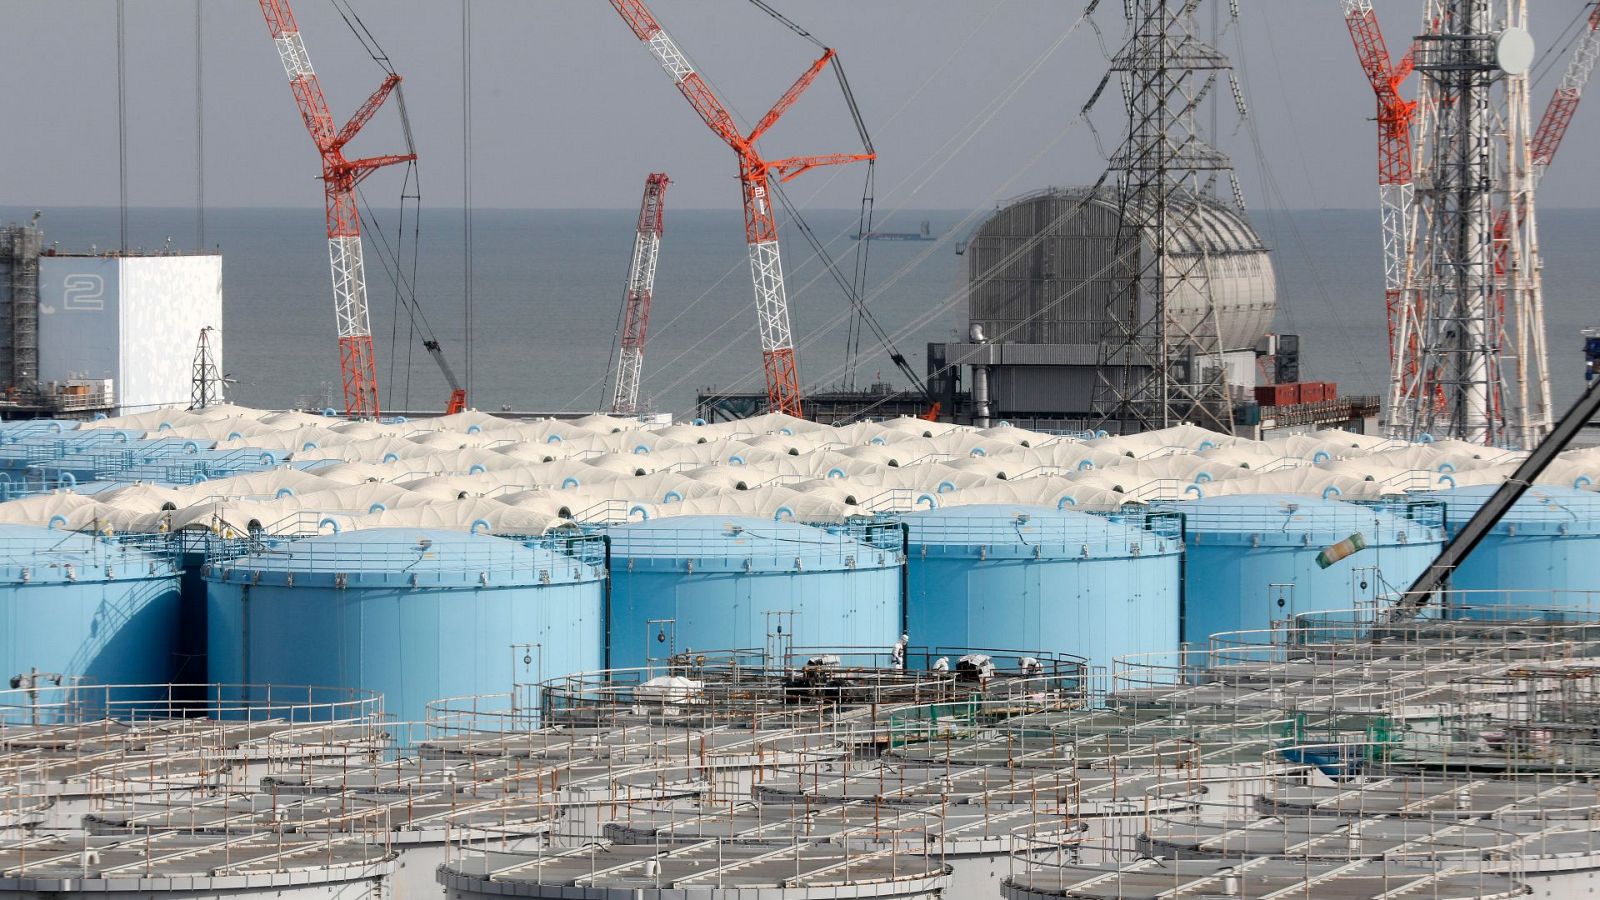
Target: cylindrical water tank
734 583
79 605
1254 559
416 615
1037 578
1541 554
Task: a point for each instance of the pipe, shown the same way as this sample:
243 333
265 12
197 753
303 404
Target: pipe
980 381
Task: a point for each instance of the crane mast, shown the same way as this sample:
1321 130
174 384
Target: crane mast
340 177
636 299
755 180
1396 194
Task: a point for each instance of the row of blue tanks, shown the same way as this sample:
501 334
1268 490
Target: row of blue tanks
422 615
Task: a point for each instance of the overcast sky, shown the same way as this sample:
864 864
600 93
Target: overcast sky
969 101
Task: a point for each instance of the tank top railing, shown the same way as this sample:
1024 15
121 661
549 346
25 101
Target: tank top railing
510 556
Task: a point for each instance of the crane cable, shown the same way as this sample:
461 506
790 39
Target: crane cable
856 287
667 327
390 256
960 140
938 159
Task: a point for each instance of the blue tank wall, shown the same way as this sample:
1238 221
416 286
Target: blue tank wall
1544 552
1239 547
445 628
1035 578
717 577
112 618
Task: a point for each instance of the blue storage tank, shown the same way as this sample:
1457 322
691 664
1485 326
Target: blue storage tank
79 605
1548 542
1253 559
709 583
1035 578
414 614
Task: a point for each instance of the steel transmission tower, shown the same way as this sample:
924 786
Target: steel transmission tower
1161 357
1474 257
206 381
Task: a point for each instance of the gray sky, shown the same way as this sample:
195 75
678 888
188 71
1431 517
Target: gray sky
966 99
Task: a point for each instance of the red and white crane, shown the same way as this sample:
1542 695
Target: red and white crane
755 174
636 300
340 177
1396 192
1564 104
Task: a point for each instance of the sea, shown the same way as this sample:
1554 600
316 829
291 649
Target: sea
546 289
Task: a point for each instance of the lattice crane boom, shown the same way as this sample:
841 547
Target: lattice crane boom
340 177
1564 104
636 300
1396 191
755 172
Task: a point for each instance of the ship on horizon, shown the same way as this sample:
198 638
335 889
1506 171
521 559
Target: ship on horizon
925 233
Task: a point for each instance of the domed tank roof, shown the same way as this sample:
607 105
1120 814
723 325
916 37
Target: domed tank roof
1282 519
1021 530
1544 509
412 557
750 544
1036 269
32 554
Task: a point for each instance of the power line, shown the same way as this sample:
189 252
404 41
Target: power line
122 124
199 128
466 186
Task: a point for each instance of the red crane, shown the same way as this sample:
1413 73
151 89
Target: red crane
636 300
1558 115
1396 188
340 176
755 173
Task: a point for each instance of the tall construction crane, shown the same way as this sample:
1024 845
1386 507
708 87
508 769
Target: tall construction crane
340 177
755 174
1396 192
636 299
1564 104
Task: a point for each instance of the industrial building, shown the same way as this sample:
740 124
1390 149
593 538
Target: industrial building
101 332
1041 275
1042 272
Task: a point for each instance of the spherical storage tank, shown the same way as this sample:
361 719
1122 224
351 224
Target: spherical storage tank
1253 559
79 605
1542 553
1036 578
414 614
726 583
